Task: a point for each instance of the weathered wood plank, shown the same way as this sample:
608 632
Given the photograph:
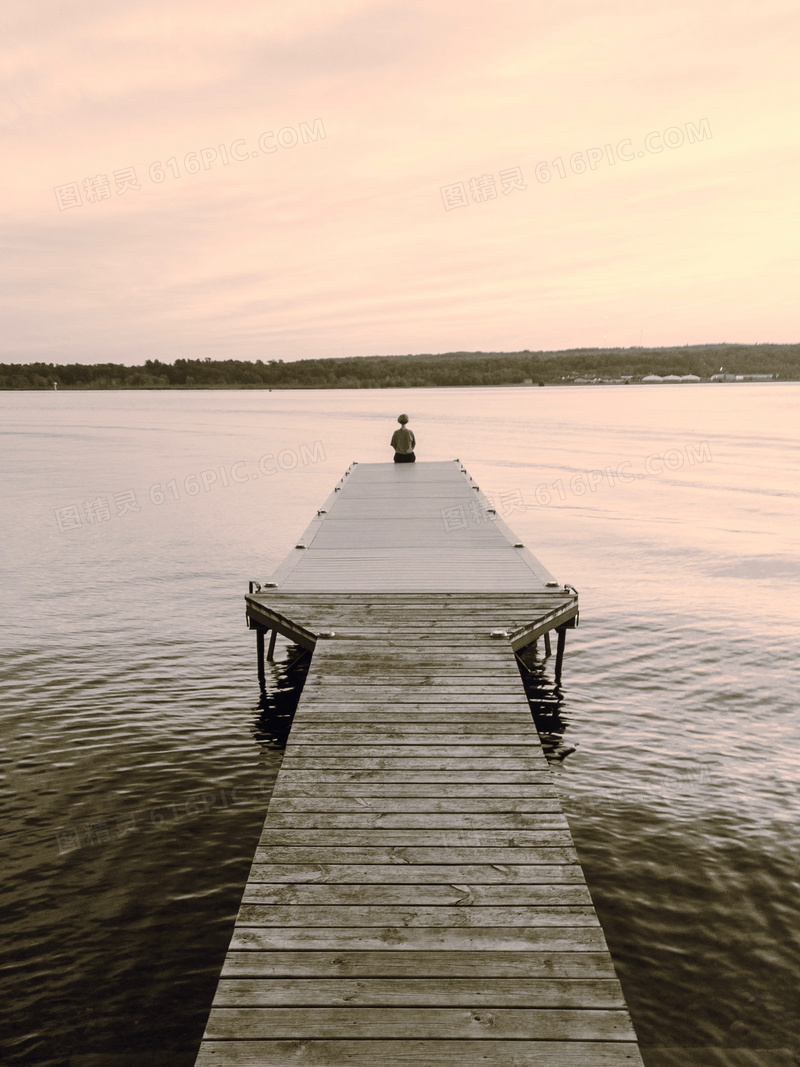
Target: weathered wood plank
448 619
410 663
351 690
419 663
400 603
393 658
461 748
480 630
421 938
410 717
299 786
428 698
389 874
499 659
500 662
420 992
474 621
466 762
370 735
415 1053
502 679
329 853
403 716
309 916
486 964
377 602
407 605
460 603
479 623
407 611
424 838
418 894
423 776
428 711
431 710
278 820
433 1023
368 641
457 805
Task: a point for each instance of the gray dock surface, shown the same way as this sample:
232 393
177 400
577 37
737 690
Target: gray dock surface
415 897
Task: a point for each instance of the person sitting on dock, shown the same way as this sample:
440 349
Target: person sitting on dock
403 442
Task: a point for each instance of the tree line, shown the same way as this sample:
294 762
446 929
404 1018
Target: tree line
414 371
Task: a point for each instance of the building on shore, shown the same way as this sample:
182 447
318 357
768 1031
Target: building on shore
742 377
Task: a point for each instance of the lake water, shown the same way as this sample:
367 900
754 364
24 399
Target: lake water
136 770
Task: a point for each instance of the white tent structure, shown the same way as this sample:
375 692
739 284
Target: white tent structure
652 378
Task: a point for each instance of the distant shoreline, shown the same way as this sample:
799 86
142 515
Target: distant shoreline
698 364
364 388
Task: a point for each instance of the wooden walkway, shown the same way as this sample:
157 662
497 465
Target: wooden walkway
415 897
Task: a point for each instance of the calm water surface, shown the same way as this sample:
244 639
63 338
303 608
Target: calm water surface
136 771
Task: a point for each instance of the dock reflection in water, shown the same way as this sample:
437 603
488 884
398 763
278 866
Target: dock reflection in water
280 696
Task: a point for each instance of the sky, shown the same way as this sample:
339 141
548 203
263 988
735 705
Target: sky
287 181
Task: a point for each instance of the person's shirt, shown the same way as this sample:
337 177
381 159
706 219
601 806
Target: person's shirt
403 441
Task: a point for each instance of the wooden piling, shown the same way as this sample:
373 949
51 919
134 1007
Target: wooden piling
260 657
562 640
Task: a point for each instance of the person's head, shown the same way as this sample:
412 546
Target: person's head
402 419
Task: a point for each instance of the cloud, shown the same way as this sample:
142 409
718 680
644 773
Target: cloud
340 241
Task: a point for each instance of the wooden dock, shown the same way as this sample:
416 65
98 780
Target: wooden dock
416 897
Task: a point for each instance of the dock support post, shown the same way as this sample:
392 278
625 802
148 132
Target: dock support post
547 649
562 640
262 679
271 649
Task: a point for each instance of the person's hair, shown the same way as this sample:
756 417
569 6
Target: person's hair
402 419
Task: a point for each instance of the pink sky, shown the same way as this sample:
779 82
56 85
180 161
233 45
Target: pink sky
342 244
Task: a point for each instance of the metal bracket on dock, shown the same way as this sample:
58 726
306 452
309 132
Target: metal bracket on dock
259 587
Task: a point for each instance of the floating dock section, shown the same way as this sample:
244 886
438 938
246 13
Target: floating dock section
416 898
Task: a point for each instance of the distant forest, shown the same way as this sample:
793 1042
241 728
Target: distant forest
392 372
